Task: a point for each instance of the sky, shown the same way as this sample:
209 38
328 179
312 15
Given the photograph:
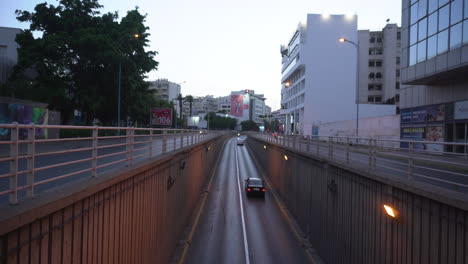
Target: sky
219 46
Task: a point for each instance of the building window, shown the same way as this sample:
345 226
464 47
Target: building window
422 29
456 11
378 63
372 40
398 35
370 99
378 99
397 85
379 40
370 87
378 87
456 36
398 60
371 75
378 75
397 98
442 42
378 51
371 63
371 52
397 73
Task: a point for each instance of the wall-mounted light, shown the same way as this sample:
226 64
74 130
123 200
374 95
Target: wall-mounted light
207 148
285 157
392 212
264 146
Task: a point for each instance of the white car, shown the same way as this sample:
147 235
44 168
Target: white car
240 141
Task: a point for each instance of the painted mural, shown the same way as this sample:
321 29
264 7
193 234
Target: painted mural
23 114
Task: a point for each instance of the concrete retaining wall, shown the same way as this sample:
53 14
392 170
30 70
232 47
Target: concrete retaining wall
134 215
341 212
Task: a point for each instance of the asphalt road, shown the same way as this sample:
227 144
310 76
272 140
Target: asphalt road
173 143
237 229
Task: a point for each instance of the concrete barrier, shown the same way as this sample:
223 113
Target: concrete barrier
341 211
134 215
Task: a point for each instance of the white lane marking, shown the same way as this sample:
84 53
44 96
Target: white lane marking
246 245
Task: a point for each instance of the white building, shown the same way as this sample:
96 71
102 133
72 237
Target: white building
8 51
166 90
201 104
224 103
319 75
379 65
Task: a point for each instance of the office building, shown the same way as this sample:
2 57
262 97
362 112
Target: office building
379 65
166 90
434 65
8 51
224 104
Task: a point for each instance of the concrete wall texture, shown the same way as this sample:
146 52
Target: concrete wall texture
134 215
341 212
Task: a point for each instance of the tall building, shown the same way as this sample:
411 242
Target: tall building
379 65
201 105
166 90
319 73
434 65
8 51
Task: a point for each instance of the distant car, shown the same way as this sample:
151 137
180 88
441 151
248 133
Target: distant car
240 141
255 186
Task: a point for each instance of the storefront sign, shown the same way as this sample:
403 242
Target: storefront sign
461 110
435 113
435 134
405 115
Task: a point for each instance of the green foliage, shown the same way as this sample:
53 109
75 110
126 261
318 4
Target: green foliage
220 122
189 99
249 125
76 61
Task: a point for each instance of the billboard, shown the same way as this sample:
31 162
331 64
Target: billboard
237 105
461 110
161 117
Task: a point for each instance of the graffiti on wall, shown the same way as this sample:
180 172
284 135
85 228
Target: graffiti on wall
23 114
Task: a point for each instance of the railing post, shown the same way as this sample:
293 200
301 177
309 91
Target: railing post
94 151
14 134
308 145
410 161
369 142
132 146
31 159
318 146
182 139
347 150
374 157
175 139
127 145
164 142
150 150
294 142
330 148
192 137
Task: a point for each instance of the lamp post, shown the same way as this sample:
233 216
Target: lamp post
356 45
119 90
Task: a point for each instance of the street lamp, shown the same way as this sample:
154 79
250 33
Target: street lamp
356 45
118 97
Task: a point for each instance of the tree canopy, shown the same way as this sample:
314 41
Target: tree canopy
249 125
76 61
220 122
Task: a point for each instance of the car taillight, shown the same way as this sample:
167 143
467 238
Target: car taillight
263 190
248 189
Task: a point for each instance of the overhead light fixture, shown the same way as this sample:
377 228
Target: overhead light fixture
392 212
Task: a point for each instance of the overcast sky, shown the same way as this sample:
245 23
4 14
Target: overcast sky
219 46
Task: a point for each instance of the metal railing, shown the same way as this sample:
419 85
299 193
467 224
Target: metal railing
28 160
430 162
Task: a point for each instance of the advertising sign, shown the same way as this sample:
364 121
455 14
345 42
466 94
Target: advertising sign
435 113
405 115
461 110
435 134
419 114
413 133
161 116
237 105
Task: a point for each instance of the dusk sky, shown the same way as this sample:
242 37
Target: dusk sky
221 46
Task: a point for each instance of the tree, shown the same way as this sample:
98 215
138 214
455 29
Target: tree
76 61
249 125
220 122
180 98
189 99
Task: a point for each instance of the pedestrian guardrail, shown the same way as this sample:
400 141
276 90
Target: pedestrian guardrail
444 164
28 159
